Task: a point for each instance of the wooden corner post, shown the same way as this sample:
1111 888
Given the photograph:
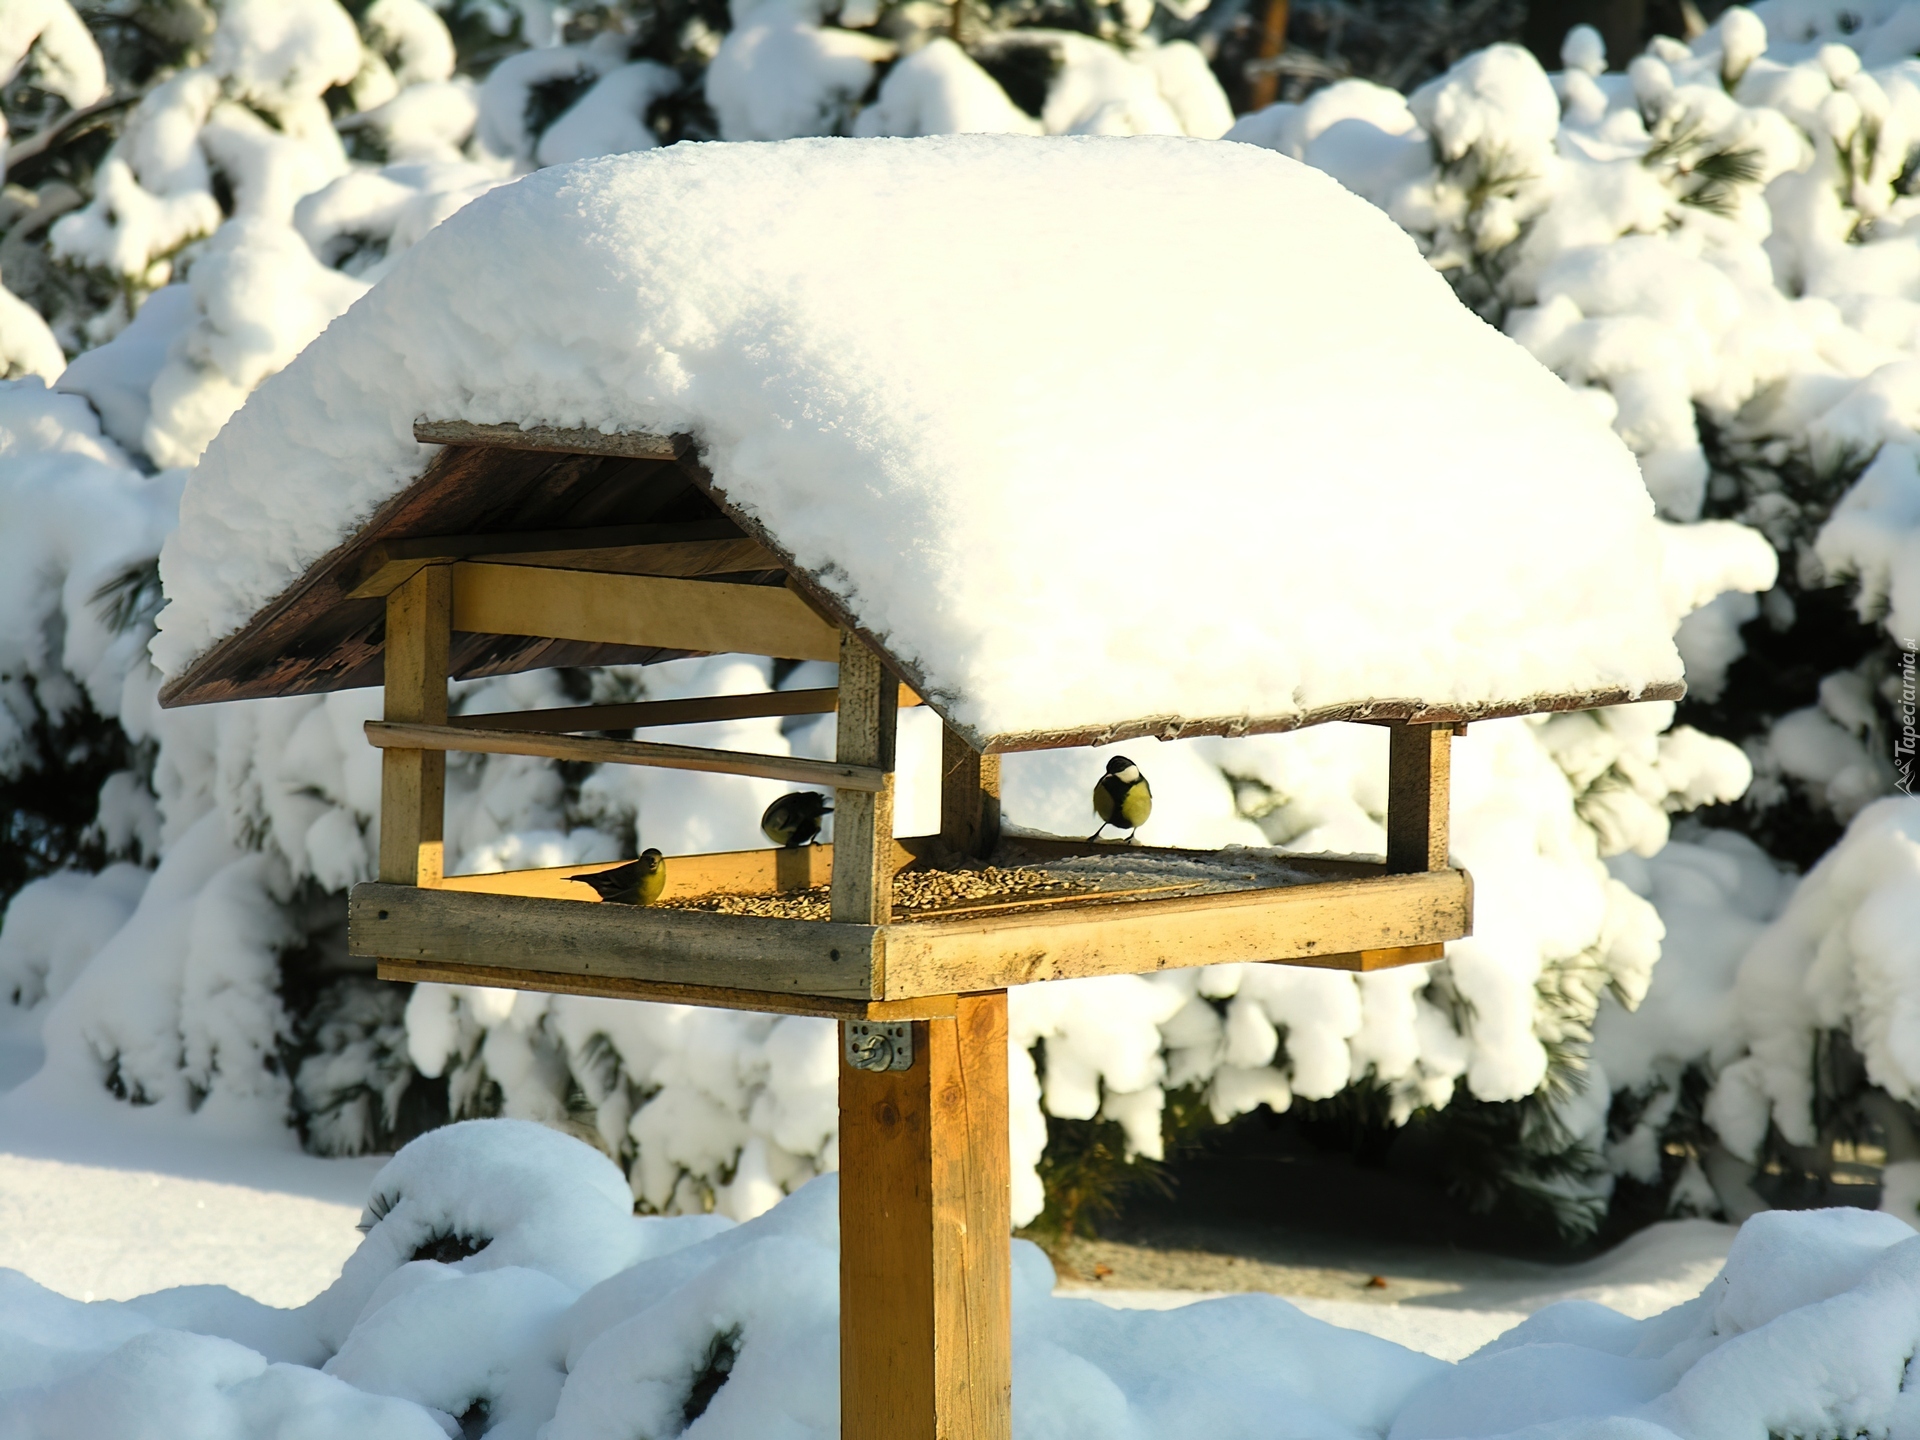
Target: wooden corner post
863 819
1419 771
969 797
926 1349
413 783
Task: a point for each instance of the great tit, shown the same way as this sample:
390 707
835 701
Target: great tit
794 820
639 882
1122 797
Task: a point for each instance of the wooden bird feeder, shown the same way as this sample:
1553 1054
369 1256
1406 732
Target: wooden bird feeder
527 548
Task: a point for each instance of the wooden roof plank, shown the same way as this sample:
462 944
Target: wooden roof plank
637 445
503 479
314 638
713 546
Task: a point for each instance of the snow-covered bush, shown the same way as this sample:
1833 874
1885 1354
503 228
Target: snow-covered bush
1626 227
505 1287
1716 246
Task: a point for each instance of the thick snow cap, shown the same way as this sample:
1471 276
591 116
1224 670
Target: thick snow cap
1082 430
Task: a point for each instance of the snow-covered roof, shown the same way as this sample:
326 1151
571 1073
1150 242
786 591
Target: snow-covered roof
1090 435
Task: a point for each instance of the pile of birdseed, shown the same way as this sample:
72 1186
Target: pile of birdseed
914 891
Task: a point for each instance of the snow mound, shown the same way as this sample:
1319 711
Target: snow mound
505 1287
905 358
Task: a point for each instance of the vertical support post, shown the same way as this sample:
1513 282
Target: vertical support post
863 819
926 1316
969 797
1419 768
413 783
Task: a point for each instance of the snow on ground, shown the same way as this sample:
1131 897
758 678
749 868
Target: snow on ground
1665 1265
504 1286
100 1210
1446 1334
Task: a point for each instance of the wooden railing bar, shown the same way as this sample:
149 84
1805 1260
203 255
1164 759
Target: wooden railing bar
730 872
832 773
639 714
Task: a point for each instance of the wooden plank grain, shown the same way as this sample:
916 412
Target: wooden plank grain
1285 923
633 444
925 1283
728 872
413 782
390 736
612 942
620 550
640 714
1370 960
863 816
306 639
698 615
548 982
1419 769
973 1220
969 796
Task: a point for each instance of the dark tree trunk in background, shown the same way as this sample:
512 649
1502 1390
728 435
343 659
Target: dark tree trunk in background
1273 39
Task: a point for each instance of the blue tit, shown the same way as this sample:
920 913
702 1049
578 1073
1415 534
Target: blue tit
1122 797
794 820
638 882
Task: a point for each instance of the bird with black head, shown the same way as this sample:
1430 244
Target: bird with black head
1122 797
638 882
794 820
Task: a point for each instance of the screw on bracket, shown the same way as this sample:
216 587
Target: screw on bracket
872 1046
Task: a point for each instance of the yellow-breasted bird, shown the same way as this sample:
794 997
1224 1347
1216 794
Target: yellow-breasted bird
1122 797
638 882
794 820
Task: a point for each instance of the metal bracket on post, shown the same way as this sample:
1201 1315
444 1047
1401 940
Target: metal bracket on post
871 1045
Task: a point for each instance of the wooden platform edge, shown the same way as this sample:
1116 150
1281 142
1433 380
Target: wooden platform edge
549 982
602 943
1357 925
1323 924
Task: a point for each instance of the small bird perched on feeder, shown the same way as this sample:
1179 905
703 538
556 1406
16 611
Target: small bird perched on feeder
1122 797
639 882
794 820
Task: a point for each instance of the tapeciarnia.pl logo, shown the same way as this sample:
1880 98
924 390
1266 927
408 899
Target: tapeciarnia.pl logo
1904 744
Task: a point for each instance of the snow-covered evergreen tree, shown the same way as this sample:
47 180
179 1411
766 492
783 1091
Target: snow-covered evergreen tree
195 191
